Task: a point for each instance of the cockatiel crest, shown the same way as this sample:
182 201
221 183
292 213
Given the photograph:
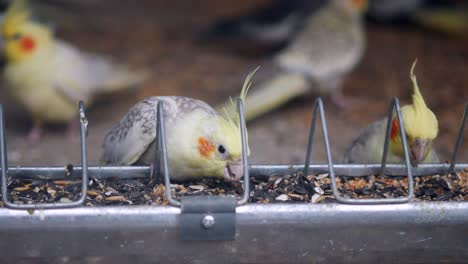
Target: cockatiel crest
17 14
22 37
421 129
230 112
421 126
419 120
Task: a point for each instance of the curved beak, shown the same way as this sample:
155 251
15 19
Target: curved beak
418 150
233 171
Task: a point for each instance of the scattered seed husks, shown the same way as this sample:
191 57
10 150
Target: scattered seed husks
296 188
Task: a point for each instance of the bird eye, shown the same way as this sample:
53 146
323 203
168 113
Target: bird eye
16 36
221 149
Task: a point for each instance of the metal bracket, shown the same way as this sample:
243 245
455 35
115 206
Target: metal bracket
208 218
203 217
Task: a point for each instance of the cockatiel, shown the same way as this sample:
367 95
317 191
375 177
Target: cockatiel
200 141
421 128
48 76
329 45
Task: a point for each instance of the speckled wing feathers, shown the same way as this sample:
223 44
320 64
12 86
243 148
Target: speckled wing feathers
368 147
361 150
126 142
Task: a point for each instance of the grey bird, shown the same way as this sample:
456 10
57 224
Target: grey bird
200 141
330 44
421 127
271 25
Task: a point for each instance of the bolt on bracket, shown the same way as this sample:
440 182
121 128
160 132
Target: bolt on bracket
208 218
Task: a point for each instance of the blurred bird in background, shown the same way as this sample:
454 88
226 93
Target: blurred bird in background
421 127
48 76
388 11
200 141
450 19
273 25
328 45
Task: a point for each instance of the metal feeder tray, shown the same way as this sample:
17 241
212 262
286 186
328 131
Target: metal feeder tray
223 230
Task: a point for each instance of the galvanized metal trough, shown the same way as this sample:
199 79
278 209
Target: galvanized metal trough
218 230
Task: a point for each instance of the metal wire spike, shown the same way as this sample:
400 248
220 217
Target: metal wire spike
318 108
84 171
394 108
83 118
459 141
245 164
161 137
3 153
161 165
161 142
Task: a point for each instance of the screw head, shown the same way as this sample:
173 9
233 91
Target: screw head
208 221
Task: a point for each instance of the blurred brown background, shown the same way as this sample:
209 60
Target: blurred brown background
164 36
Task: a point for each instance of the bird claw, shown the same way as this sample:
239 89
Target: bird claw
35 135
72 128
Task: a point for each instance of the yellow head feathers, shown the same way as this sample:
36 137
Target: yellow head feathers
231 121
18 13
419 120
230 113
23 37
418 100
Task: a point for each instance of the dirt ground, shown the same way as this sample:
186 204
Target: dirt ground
162 37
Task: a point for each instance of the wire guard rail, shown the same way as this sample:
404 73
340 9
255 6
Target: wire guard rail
161 156
394 107
203 217
84 170
459 141
163 172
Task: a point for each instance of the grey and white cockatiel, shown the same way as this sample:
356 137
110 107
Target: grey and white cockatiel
329 45
48 76
421 128
200 141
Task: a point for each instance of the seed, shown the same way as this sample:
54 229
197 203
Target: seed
116 198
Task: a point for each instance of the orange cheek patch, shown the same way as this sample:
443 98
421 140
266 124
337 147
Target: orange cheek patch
395 129
27 44
205 147
359 3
